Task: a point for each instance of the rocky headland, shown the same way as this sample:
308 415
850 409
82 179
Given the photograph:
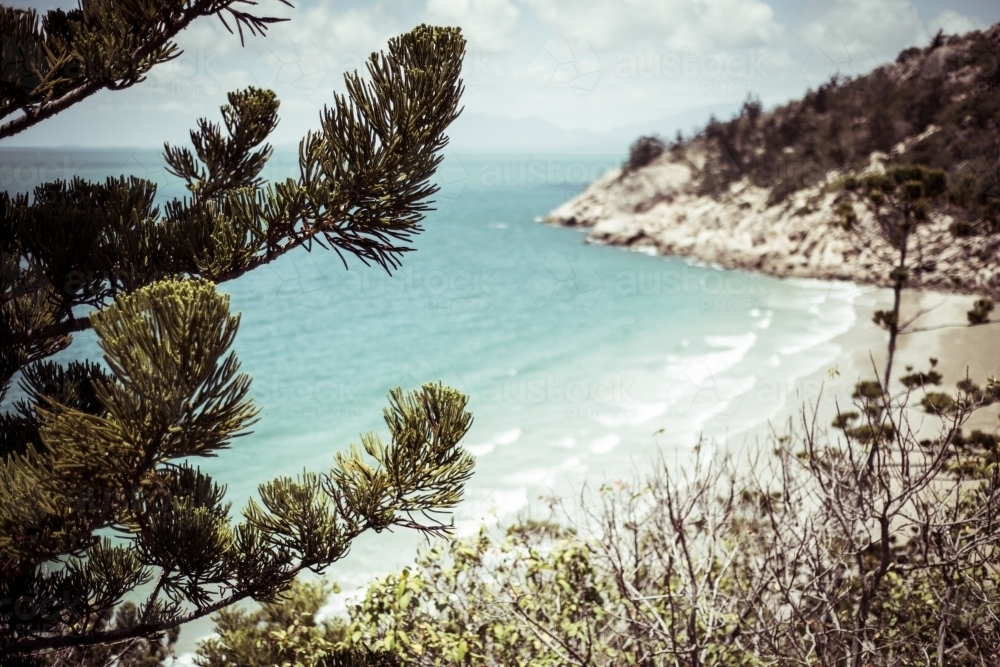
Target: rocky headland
760 192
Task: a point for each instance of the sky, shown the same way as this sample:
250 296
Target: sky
591 65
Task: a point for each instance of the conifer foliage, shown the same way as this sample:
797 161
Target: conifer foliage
98 498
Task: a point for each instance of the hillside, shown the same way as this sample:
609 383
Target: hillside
758 191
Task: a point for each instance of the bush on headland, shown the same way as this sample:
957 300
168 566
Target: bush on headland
643 151
952 85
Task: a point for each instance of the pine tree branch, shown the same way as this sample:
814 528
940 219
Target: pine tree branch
33 116
77 324
123 634
36 114
272 254
56 330
370 212
146 629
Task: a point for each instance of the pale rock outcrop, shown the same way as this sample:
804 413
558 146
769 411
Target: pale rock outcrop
656 208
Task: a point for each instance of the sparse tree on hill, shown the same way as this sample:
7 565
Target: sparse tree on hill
94 450
904 203
643 151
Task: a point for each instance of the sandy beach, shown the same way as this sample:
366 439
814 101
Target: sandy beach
960 350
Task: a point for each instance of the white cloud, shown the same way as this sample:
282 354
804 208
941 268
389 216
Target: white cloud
302 59
674 24
879 27
954 23
348 32
592 64
487 24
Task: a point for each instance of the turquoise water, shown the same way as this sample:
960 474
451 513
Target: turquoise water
581 361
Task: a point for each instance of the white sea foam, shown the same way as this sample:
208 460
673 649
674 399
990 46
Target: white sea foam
572 464
537 477
808 351
719 400
501 439
704 387
565 443
742 341
637 413
488 507
833 325
707 392
605 443
699 368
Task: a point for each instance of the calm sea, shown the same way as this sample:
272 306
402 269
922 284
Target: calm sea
581 362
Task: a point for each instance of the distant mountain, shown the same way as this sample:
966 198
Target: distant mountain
482 132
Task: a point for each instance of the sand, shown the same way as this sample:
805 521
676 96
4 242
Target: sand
959 350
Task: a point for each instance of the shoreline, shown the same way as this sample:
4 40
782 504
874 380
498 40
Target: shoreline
827 383
958 350
660 209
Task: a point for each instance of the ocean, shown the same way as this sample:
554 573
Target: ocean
582 362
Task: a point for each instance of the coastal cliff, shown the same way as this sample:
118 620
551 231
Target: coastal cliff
760 192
